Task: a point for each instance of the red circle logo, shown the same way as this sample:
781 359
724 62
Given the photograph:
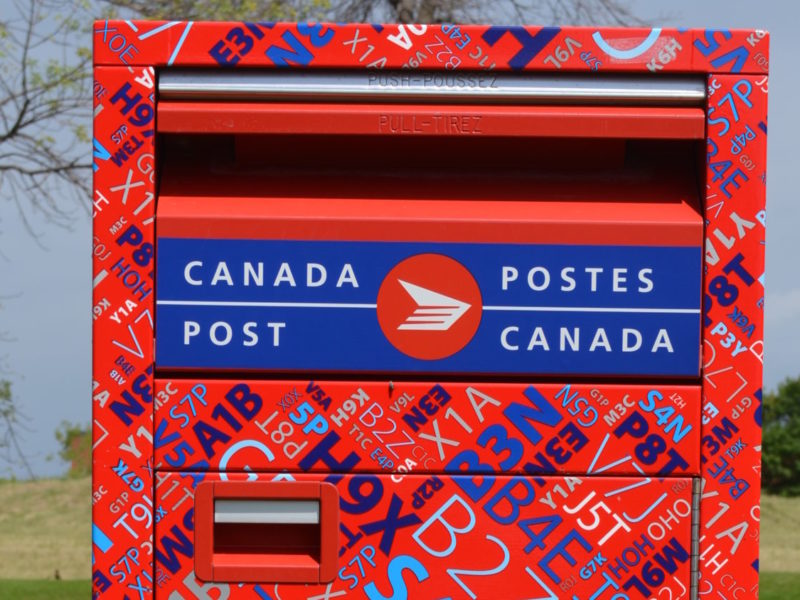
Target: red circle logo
429 306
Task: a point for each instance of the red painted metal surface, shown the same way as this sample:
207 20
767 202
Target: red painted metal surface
143 508
400 119
437 47
593 428
511 209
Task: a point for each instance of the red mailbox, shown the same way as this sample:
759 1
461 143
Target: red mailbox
474 329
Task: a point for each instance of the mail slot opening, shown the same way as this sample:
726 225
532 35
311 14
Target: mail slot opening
232 156
267 544
268 532
632 172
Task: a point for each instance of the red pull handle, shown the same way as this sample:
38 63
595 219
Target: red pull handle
432 120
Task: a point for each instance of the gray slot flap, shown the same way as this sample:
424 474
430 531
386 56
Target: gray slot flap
301 512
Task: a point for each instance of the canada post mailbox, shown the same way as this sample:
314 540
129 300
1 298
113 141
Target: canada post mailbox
448 312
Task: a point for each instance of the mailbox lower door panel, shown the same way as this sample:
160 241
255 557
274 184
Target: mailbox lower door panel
440 536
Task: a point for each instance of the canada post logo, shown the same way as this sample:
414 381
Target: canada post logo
429 306
414 307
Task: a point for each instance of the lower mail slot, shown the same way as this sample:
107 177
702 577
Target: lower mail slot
411 427
442 536
266 531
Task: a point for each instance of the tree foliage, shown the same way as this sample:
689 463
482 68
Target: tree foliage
46 96
75 442
46 84
781 439
45 104
222 10
12 421
560 12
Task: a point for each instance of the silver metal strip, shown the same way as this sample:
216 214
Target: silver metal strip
694 587
430 87
266 511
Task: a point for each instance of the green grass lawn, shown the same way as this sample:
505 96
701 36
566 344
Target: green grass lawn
774 586
780 534
779 586
32 589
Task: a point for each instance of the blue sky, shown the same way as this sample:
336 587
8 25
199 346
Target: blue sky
46 294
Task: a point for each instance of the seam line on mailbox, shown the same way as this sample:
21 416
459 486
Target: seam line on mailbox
264 304
491 308
592 309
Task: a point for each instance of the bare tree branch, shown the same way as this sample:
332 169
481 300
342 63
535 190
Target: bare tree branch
45 73
12 422
45 110
546 12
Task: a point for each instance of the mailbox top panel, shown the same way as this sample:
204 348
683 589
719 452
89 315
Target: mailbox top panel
437 47
435 278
